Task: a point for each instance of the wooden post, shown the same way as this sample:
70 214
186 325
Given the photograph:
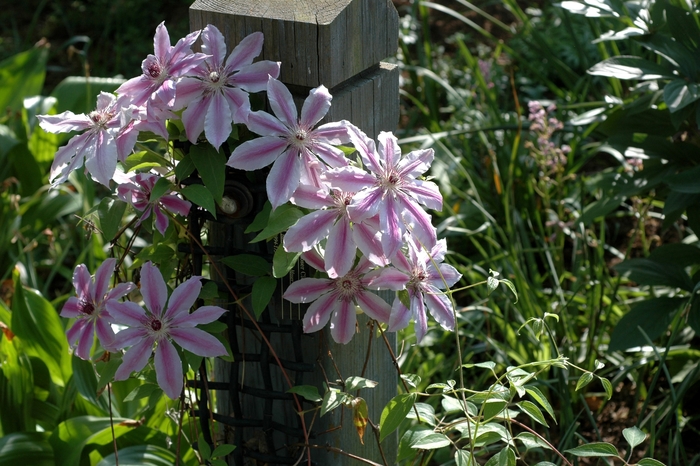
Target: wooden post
339 44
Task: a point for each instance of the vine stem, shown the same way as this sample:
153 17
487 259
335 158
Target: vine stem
111 424
255 324
342 452
541 438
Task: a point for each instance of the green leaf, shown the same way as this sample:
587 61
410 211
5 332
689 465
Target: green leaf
331 400
404 298
309 392
394 413
680 93
432 442
150 455
491 284
634 436
533 411
110 213
248 264
411 379
279 221
204 448
222 450
594 449
142 391
631 67
607 386
200 196
283 261
649 462
493 407
651 272
30 448
505 457
162 186
680 254
78 93
71 436
107 371
184 168
410 438
263 289
531 441
86 382
511 287
145 159
652 316
37 324
598 209
356 383
464 458
260 219
211 166
584 380
426 413
685 182
22 75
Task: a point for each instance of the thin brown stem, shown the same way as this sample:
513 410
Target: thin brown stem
111 424
341 452
543 439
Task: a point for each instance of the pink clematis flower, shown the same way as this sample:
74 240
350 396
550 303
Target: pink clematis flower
88 308
156 86
423 274
99 146
216 92
293 145
391 190
332 222
335 299
138 193
161 324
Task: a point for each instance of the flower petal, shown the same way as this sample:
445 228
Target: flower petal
168 369
264 124
343 322
75 331
389 148
217 122
239 104
246 50
257 153
440 307
104 333
387 278
368 240
64 122
307 289
374 306
400 316
315 107
311 197
202 315
193 117
213 44
126 313
135 359
153 289
282 103
161 41
85 340
366 204
309 231
103 162
71 308
283 178
198 341
319 313
102 277
349 179
253 78
426 193
418 312
391 226
129 337
445 278
340 249
183 297
82 281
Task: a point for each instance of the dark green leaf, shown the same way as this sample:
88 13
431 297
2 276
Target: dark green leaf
222 450
211 166
203 447
184 168
280 220
142 391
404 298
597 449
110 213
134 455
432 441
680 254
263 289
631 67
144 159
426 413
533 411
679 93
412 435
607 386
685 181
260 219
464 458
584 380
29 448
649 462
21 75
78 93
356 383
200 196
651 272
394 413
331 400
283 261
493 407
248 264
309 392
652 315
634 436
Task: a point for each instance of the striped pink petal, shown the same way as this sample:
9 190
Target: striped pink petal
168 369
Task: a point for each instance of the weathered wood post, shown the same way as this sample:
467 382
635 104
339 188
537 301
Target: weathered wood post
340 44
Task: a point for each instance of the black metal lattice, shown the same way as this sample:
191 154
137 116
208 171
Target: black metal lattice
259 438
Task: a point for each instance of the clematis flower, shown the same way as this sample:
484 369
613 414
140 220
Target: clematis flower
157 85
160 326
290 144
332 222
88 308
216 92
99 146
391 189
138 193
335 299
423 274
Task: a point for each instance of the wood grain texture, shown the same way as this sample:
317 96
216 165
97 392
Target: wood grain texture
317 41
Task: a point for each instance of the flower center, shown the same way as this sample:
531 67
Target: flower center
156 325
100 118
214 76
86 307
154 69
300 135
418 276
347 287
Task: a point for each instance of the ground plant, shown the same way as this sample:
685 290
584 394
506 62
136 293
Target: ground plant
533 217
